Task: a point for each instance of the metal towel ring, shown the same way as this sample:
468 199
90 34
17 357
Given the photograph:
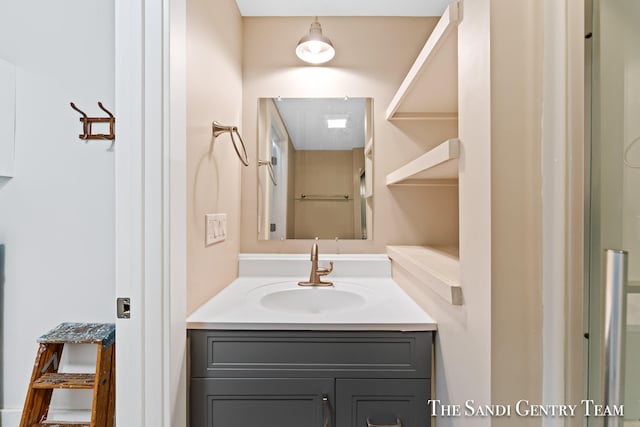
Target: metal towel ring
219 129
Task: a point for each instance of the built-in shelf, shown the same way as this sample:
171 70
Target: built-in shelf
430 89
437 166
437 268
430 92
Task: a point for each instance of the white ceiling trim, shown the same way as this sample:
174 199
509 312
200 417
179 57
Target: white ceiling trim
342 7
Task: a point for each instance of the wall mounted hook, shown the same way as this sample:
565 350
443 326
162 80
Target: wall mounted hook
87 123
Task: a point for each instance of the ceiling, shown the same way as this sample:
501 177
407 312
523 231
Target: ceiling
342 7
306 122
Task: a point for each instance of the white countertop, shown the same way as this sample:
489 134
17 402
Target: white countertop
381 303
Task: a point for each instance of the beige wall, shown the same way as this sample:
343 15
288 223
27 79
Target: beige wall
516 202
214 92
368 63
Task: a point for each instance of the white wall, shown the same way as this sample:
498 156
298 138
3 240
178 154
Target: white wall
57 214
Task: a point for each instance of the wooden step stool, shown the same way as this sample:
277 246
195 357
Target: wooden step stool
45 377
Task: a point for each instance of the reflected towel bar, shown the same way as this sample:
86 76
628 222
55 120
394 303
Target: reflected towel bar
324 197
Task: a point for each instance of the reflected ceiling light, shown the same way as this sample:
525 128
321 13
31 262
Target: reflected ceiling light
336 123
315 48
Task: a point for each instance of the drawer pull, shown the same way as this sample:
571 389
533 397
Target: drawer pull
397 424
326 411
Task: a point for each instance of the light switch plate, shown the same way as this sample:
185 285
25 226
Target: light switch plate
215 228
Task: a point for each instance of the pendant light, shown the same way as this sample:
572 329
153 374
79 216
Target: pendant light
315 48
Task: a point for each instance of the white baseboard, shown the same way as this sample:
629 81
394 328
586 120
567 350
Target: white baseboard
11 417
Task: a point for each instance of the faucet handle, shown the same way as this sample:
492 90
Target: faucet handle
323 271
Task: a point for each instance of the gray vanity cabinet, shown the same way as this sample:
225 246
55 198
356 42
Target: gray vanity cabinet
309 378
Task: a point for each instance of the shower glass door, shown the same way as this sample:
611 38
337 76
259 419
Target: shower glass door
613 72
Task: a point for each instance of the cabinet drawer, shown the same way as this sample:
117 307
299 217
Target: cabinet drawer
237 402
382 402
265 354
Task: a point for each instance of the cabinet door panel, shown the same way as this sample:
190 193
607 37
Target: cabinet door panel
382 402
264 402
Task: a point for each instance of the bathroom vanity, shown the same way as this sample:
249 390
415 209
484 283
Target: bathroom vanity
310 378
267 352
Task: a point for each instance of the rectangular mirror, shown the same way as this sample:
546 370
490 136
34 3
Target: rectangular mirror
315 168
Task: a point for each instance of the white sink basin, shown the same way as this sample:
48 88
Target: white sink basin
291 299
312 300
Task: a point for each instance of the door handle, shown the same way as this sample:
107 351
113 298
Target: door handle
615 316
397 424
326 411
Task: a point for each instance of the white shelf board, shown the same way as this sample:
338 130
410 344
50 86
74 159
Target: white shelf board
430 89
437 268
440 163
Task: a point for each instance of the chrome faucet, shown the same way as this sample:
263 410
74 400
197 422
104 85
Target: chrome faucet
317 272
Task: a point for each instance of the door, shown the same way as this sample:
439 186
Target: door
274 153
613 79
278 186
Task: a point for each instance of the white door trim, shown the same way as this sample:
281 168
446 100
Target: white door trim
176 178
150 206
554 205
129 191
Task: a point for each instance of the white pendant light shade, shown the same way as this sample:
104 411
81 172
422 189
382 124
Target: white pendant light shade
315 48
